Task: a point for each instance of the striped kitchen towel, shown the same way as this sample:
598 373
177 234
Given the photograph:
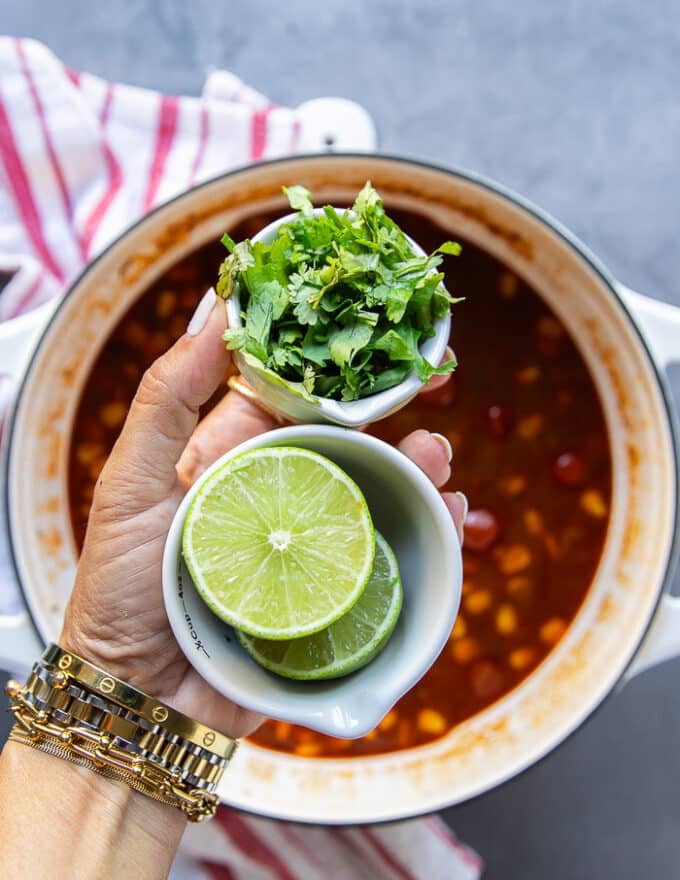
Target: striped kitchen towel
81 159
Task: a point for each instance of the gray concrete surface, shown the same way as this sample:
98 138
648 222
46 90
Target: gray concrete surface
576 104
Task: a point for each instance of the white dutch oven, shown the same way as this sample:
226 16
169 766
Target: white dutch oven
627 621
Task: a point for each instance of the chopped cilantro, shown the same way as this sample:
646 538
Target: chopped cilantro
339 303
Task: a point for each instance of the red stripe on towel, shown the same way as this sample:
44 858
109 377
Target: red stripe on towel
114 172
202 143
219 872
165 135
397 867
298 843
73 75
25 301
258 135
244 836
447 836
17 180
49 143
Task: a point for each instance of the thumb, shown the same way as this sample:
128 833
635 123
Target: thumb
165 408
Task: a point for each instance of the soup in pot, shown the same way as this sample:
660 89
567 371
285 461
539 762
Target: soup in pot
530 452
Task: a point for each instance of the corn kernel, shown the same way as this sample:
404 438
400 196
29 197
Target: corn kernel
166 303
389 721
430 721
96 468
527 375
372 734
307 750
593 503
550 327
472 564
507 284
134 334
113 414
506 620
513 558
514 485
552 630
478 602
465 650
132 372
158 342
282 730
530 426
551 545
87 452
177 326
459 628
521 658
533 521
467 587
403 736
520 587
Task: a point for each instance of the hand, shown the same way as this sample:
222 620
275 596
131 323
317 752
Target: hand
115 617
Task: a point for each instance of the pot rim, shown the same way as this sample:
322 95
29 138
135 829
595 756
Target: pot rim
491 186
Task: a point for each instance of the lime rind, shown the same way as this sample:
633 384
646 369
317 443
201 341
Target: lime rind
279 542
332 653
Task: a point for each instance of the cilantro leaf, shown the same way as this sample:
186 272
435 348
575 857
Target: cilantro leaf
345 342
235 337
450 247
400 343
258 326
228 242
338 304
299 198
396 303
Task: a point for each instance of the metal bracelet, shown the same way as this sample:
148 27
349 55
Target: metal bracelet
124 735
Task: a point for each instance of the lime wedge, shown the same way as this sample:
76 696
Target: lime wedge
279 542
349 643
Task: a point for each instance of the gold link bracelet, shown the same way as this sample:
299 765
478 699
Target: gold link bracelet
72 709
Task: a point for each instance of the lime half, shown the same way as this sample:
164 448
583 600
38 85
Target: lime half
349 643
279 542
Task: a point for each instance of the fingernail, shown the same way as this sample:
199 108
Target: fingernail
200 317
466 504
440 438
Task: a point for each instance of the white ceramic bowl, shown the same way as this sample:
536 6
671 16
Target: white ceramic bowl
351 413
410 513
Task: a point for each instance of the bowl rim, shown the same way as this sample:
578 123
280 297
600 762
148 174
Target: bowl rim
319 714
350 413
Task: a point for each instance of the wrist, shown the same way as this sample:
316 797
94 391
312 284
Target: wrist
112 830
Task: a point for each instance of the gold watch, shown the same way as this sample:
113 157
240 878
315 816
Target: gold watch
74 710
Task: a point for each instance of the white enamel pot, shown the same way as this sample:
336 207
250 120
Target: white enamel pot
627 621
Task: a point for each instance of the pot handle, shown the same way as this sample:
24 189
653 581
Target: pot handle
20 645
660 323
662 642
335 125
19 336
